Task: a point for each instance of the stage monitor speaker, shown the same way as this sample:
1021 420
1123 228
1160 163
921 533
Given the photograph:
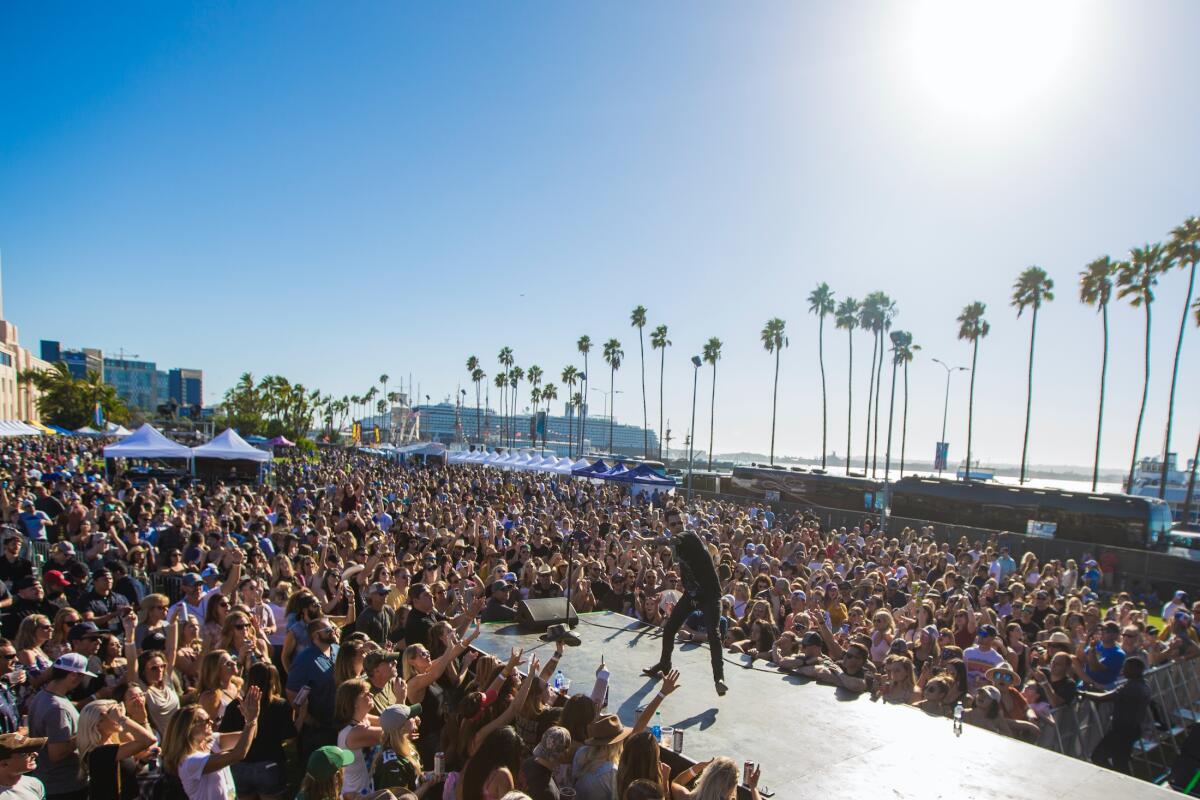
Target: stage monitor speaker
538 615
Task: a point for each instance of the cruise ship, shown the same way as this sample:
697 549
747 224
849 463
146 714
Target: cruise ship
451 424
1147 475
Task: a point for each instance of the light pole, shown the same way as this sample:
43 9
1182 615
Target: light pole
946 403
696 362
608 411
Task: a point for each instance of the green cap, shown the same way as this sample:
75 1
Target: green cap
325 762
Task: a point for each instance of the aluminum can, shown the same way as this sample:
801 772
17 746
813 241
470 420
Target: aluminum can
747 769
677 740
439 764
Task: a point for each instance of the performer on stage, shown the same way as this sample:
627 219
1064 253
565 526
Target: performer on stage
701 590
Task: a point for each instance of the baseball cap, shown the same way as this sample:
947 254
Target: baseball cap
544 569
810 639
210 572
987 630
66 548
25 582
393 718
1058 637
74 662
376 657
377 588
555 742
83 630
500 586
327 761
13 743
53 577
192 579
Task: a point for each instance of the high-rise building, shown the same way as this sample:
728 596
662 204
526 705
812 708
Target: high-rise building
79 362
186 386
136 382
141 384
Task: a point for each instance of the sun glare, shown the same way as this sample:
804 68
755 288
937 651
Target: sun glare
988 59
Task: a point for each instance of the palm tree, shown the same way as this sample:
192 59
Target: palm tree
905 354
659 341
972 327
1095 289
549 392
535 399
1032 288
501 383
383 380
821 303
612 356
515 376
472 367
868 314
505 357
1183 250
712 354
1191 490
637 318
883 323
583 345
773 341
898 338
534 376
1136 279
847 320
570 376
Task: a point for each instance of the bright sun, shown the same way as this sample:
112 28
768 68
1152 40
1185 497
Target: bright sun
989 59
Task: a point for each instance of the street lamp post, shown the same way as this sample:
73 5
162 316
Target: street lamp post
696 362
946 403
608 411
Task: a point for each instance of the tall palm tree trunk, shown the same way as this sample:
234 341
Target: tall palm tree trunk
875 434
1100 415
645 419
1191 490
971 408
612 382
1137 433
774 404
661 430
712 417
904 421
478 415
849 398
824 403
1162 483
887 447
570 428
1028 394
870 385
583 406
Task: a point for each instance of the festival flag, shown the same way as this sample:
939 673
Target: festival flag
98 417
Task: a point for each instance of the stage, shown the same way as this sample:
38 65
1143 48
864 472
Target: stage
813 740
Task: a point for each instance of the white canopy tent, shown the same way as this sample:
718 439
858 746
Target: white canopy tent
147 442
114 429
229 446
14 427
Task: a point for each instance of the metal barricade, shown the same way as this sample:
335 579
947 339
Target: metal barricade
170 585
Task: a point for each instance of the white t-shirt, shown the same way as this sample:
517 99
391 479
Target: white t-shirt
26 788
213 786
978 662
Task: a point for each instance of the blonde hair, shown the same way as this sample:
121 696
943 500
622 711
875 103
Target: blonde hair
322 788
401 744
210 670
719 778
177 741
407 670
87 733
149 600
26 638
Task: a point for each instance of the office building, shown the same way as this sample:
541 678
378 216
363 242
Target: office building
186 386
141 384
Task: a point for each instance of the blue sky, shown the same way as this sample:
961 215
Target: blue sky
331 192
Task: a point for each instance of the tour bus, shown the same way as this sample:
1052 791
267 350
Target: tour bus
1116 520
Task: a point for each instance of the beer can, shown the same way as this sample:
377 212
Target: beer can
439 764
677 740
747 769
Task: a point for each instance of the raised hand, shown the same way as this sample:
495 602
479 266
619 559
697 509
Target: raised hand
250 704
670 682
755 774
514 660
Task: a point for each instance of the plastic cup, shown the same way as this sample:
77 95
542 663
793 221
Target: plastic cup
668 738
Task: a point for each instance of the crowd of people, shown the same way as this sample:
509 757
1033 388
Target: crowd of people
168 639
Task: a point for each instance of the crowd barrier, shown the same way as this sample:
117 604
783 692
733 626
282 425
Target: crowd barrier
1077 728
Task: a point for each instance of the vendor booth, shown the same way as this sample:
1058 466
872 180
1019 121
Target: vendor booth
230 458
146 454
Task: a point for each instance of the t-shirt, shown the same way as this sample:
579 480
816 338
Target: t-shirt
978 662
54 717
416 629
213 786
314 669
26 788
599 783
1111 660
537 781
275 725
376 624
109 779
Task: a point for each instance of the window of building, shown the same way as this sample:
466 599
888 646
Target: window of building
5 359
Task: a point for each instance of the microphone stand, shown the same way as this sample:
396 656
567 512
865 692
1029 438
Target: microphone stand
572 621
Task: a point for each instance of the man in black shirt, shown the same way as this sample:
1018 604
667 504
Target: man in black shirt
12 565
102 601
1130 702
30 600
498 608
422 616
701 590
545 585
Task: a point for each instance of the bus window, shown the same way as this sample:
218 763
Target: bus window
1160 524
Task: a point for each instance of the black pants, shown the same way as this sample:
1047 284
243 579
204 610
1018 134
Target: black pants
78 794
711 606
313 737
1115 749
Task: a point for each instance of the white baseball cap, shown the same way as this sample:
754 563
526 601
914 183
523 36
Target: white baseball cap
74 662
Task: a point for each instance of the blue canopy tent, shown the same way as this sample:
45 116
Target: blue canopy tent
646 476
612 474
60 430
591 472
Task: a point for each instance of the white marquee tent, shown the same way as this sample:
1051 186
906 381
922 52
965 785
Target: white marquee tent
229 446
147 442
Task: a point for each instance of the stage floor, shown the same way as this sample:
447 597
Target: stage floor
812 740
